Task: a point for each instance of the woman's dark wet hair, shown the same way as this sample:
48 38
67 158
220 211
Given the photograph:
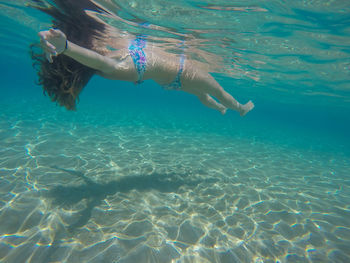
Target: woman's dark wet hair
65 78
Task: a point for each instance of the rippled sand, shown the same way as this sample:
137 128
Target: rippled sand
87 192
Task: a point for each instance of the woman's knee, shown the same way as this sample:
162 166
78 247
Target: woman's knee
203 97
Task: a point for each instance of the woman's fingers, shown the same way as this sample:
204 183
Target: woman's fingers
54 32
57 33
44 35
51 42
49 49
50 46
49 57
43 38
49 54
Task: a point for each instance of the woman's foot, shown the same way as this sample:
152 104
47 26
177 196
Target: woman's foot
244 109
223 110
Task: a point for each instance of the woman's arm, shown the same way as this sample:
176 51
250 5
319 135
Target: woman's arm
90 58
54 42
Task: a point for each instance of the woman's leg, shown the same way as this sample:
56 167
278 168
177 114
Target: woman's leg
211 103
206 84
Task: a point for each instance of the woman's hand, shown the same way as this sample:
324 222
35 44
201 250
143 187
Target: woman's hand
53 42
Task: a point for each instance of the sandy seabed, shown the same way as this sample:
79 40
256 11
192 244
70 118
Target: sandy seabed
88 192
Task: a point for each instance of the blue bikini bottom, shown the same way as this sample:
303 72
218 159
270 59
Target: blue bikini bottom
139 57
176 84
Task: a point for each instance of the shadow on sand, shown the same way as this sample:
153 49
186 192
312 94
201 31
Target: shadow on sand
94 192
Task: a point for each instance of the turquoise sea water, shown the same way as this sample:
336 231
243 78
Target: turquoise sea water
141 174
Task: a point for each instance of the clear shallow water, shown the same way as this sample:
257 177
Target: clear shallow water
139 174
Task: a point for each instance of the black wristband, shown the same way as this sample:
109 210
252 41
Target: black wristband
66 45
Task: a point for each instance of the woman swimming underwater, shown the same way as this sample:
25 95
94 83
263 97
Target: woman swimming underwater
73 49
